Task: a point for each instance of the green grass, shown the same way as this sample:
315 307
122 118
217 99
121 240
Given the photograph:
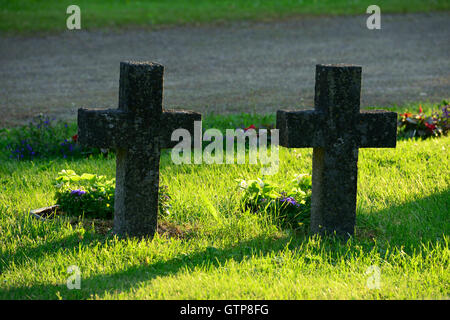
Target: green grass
50 15
403 226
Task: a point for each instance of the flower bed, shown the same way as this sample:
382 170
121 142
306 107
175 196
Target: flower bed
421 125
47 138
44 137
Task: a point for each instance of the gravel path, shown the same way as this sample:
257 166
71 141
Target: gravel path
237 67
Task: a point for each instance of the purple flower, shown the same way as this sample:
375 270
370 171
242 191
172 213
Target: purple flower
290 200
445 111
78 192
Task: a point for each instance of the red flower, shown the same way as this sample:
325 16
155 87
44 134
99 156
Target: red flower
420 108
251 127
75 138
406 114
430 127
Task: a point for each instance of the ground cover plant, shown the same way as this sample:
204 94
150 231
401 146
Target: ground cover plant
87 194
92 196
50 15
220 249
291 208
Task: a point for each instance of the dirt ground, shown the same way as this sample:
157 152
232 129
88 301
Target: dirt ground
238 67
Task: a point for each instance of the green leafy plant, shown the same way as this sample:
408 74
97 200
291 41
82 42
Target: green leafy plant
289 208
93 196
89 194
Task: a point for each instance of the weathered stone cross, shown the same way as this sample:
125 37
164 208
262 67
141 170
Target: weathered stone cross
138 129
336 129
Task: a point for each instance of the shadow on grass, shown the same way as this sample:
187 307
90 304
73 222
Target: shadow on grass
131 277
411 223
434 211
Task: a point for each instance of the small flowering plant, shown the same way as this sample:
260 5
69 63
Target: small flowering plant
289 208
421 125
89 194
92 195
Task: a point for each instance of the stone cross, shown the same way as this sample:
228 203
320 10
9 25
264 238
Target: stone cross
138 129
336 129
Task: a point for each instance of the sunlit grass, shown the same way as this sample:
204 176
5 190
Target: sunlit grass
403 225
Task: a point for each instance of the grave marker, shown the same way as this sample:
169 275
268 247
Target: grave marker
138 130
336 129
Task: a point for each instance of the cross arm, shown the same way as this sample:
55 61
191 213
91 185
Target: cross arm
102 128
301 129
377 128
176 119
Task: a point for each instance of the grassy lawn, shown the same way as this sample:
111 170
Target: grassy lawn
224 252
50 15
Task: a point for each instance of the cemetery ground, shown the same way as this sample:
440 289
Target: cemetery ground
210 247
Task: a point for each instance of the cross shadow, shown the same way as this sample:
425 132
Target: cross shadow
25 255
124 280
412 223
131 277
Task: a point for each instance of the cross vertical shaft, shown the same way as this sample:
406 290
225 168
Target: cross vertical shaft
137 165
335 165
